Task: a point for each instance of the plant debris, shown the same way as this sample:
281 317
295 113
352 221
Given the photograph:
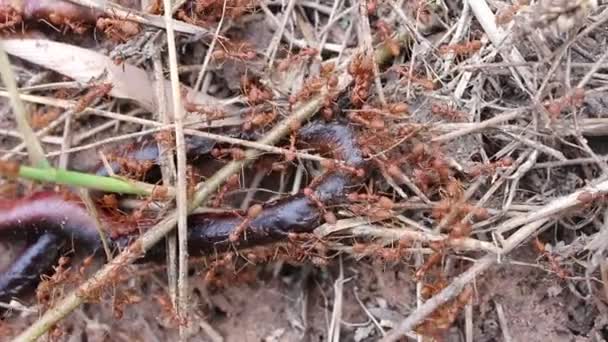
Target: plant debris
482 218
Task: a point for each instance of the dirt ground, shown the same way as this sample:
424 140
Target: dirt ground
297 304
486 124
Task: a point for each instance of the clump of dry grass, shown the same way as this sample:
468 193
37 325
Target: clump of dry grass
483 123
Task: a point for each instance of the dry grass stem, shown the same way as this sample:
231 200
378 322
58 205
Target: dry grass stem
35 151
483 186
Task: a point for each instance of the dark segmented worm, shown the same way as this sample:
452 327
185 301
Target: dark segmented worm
50 219
24 273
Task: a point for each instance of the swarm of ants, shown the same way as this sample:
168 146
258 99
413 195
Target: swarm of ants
410 168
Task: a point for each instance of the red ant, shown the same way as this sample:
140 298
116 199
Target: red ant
312 86
308 246
292 60
385 254
433 260
376 123
231 184
234 152
118 30
461 49
96 91
445 316
252 213
575 100
256 120
310 193
385 34
447 111
374 206
553 261
361 68
134 168
165 138
490 168
255 92
42 117
398 108
506 15
372 7
415 78
332 165
240 51
210 113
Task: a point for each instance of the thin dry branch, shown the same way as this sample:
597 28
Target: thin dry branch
168 173
114 10
182 181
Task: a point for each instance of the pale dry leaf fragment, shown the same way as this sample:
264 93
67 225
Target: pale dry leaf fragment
562 15
275 336
83 65
364 332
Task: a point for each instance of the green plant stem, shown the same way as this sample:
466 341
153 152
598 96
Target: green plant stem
80 179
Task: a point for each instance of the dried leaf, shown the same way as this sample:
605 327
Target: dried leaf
84 65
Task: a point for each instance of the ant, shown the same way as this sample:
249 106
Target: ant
433 260
385 34
42 117
239 51
361 68
191 107
575 100
308 246
252 213
118 30
332 165
372 7
445 316
305 53
463 49
134 168
255 120
371 205
50 284
553 260
255 92
165 138
414 77
231 184
312 86
506 15
490 168
587 198
94 92
385 254
447 111
234 152
122 299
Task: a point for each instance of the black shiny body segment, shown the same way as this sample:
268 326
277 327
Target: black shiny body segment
50 221
25 272
207 233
